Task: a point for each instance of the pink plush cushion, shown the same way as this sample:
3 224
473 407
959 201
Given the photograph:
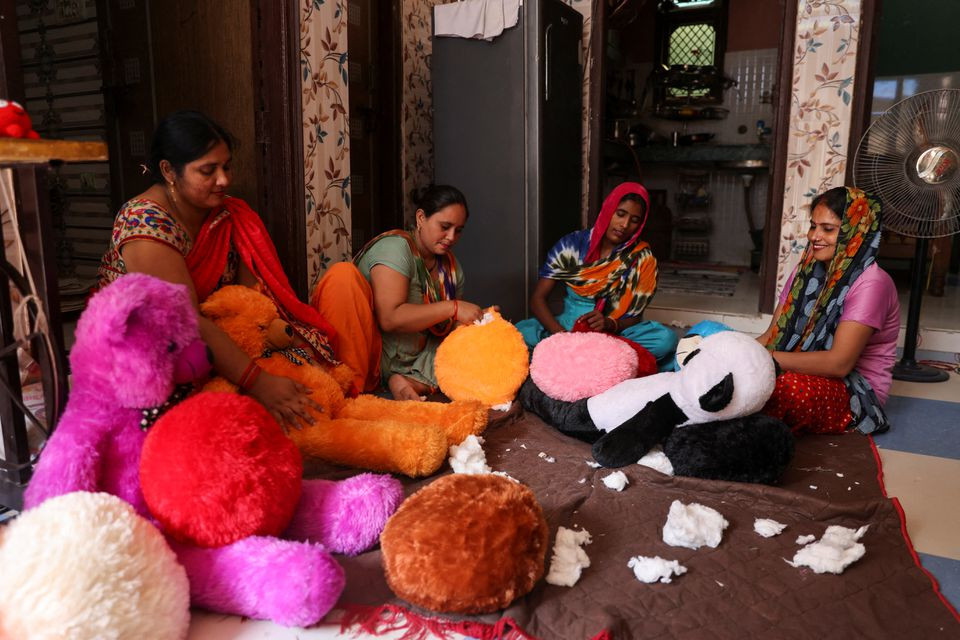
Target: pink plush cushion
571 366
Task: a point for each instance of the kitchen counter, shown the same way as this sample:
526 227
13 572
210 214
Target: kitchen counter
730 156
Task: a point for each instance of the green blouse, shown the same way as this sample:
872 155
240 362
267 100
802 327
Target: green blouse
409 354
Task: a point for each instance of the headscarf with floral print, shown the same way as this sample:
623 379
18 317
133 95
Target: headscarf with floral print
811 311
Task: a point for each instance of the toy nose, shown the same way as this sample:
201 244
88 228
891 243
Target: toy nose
193 363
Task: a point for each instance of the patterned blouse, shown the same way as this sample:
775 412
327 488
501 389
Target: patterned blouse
142 219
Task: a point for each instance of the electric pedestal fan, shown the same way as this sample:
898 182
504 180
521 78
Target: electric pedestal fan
909 159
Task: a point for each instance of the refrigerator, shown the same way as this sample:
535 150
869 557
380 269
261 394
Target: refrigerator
507 132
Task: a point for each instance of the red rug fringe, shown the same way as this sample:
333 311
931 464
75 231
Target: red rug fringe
390 618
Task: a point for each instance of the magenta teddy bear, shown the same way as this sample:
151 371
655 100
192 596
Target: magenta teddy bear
137 348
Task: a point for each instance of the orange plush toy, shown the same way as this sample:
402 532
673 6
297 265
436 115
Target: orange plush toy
366 432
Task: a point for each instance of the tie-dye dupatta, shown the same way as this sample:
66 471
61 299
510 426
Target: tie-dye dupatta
623 282
812 308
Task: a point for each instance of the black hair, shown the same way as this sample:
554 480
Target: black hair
835 199
635 197
182 137
435 197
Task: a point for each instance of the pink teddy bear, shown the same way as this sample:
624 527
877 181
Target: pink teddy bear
137 348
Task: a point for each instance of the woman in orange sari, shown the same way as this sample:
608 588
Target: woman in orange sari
186 229
610 276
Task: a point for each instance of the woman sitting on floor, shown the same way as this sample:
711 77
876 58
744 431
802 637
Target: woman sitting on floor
186 229
610 276
416 283
835 329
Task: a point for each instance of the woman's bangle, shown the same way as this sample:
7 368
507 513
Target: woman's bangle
616 325
250 375
455 310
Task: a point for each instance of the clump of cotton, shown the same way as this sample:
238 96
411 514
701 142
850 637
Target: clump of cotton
468 457
693 526
655 569
616 481
569 559
657 460
486 319
836 550
768 528
805 539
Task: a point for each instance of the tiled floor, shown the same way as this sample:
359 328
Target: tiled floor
921 464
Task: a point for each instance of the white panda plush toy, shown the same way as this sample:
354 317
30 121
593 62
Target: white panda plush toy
729 375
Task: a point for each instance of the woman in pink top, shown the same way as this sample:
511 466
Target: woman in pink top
835 329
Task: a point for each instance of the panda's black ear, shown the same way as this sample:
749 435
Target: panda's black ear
719 395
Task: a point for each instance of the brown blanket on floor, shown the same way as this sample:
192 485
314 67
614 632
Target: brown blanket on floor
743 588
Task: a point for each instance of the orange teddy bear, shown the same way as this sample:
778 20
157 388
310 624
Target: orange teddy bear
366 432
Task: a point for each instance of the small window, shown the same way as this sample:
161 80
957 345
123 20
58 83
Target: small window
691 35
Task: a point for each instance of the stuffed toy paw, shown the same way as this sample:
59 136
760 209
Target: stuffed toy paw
465 544
366 432
754 448
571 366
85 565
485 361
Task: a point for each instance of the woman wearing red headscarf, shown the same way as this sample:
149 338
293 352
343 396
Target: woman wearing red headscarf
610 276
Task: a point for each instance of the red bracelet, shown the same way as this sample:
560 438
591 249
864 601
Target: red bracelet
249 374
252 378
455 307
616 325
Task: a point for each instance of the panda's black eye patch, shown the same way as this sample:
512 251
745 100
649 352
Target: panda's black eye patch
690 356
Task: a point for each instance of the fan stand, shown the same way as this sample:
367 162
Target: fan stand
908 369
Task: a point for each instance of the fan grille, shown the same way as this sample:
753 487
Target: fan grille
886 164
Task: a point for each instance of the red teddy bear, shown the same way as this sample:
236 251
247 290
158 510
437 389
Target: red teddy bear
15 122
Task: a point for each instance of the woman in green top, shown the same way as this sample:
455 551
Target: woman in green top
417 283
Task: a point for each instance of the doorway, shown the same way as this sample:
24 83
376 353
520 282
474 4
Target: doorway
374 71
689 101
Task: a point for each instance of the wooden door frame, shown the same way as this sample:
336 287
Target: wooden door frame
864 75
278 125
596 100
389 83
778 158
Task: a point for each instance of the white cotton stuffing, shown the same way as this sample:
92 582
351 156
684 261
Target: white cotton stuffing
693 526
836 550
502 407
805 539
655 569
616 481
468 457
569 559
486 319
546 458
767 527
657 460
591 463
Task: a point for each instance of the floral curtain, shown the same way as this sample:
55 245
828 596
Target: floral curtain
326 135
824 61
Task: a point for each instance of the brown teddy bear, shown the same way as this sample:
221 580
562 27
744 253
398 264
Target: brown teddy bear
366 432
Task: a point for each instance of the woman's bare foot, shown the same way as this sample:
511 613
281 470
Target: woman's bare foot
403 388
